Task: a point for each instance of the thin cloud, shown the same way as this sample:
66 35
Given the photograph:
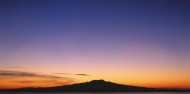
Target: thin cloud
7 76
5 73
74 74
40 81
83 74
24 81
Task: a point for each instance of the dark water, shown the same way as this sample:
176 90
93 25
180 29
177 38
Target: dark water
101 93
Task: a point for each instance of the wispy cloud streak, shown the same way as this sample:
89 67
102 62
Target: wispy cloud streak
26 74
81 74
27 77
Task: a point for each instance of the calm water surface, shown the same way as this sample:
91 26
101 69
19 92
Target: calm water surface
101 93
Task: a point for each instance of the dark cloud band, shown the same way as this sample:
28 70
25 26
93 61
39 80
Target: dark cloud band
26 74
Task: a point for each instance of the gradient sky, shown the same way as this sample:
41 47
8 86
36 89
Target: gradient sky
135 42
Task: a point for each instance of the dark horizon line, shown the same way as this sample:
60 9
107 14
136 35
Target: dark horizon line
97 80
95 86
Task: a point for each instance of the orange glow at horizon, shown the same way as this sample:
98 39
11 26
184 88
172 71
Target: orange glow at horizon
30 82
140 64
46 83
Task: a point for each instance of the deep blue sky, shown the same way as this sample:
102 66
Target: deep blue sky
165 21
94 33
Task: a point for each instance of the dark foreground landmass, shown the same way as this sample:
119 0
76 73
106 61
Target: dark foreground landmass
96 86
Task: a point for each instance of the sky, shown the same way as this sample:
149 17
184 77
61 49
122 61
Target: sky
47 43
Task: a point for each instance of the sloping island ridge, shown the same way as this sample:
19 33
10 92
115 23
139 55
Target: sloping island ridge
96 86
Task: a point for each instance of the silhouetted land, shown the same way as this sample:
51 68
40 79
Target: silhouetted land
96 86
